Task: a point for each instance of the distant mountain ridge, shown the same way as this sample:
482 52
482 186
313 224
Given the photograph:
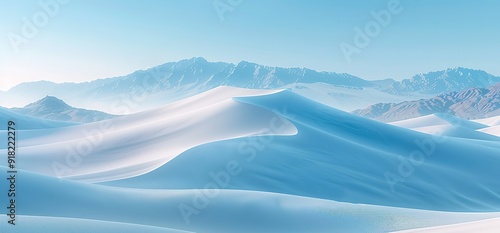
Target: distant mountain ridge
473 103
208 75
448 80
52 108
154 87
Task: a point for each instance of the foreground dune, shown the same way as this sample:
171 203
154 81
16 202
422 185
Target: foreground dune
235 160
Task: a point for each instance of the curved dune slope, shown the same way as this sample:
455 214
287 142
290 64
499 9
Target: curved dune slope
236 160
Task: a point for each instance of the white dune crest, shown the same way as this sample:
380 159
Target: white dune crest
132 145
485 226
447 125
302 167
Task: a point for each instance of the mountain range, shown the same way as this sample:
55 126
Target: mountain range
448 80
472 103
154 87
262 151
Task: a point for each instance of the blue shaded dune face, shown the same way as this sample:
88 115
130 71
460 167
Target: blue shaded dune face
341 157
67 205
270 161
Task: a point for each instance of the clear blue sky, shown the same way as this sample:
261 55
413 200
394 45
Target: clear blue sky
91 39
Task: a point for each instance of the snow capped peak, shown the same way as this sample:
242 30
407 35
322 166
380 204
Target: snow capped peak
176 80
244 64
437 82
197 60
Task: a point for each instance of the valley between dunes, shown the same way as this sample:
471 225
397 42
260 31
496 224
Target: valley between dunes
241 160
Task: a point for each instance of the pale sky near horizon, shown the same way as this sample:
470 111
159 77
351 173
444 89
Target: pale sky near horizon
85 40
